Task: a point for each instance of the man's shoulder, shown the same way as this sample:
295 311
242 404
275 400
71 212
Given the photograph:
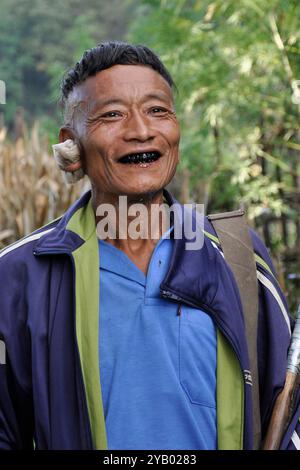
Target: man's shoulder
19 250
23 248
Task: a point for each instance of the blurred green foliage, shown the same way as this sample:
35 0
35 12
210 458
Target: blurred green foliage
41 39
236 93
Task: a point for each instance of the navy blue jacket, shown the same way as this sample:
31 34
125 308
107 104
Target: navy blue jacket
50 391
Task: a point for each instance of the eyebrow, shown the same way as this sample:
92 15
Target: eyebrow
150 96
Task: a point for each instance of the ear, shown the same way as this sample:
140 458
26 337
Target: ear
66 133
68 156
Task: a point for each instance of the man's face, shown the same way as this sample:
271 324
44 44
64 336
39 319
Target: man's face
126 123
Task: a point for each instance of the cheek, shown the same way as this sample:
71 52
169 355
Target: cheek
173 134
177 134
95 153
174 144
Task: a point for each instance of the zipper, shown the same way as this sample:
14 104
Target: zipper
169 295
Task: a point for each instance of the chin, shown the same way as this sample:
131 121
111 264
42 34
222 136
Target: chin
143 192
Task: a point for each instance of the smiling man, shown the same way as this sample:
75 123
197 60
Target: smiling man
126 342
125 123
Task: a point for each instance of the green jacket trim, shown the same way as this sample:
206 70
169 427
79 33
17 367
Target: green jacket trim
87 320
230 397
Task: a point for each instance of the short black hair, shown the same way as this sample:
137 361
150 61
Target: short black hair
106 55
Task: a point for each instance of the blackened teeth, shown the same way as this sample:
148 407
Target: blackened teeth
146 157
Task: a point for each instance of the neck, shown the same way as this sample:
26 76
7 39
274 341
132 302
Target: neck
131 223
128 216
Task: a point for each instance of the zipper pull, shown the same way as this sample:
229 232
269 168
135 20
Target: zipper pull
179 310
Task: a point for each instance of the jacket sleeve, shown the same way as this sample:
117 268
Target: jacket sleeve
16 409
274 333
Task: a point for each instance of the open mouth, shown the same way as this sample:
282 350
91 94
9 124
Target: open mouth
137 158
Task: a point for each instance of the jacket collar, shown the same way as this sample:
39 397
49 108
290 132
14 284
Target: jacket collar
71 231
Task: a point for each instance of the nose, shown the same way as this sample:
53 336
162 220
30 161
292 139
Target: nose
138 128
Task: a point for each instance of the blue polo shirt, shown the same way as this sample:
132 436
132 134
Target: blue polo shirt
157 368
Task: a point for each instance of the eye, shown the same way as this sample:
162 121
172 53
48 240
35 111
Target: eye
158 110
111 114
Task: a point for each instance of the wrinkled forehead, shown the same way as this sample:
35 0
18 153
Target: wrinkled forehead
118 83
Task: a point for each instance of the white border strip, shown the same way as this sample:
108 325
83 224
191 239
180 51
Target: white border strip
268 284
2 352
296 440
22 242
216 247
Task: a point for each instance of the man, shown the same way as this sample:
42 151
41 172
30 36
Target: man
129 343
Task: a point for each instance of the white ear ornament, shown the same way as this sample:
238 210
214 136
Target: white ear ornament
67 156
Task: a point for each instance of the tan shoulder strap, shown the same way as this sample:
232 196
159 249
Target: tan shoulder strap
235 240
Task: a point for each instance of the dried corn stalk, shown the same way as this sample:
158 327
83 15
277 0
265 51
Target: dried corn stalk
32 189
